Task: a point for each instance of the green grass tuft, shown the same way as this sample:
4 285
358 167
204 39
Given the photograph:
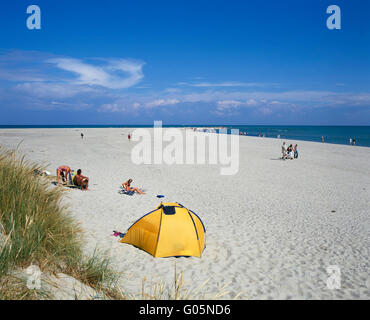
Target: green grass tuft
35 228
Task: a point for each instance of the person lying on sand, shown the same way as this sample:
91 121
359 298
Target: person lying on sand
127 186
65 172
81 181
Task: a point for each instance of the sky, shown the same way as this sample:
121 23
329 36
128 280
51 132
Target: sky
185 62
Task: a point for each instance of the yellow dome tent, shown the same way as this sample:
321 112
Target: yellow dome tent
169 230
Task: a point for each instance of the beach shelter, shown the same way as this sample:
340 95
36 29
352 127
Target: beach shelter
169 230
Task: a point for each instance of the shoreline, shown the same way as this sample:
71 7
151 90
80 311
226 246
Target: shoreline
182 127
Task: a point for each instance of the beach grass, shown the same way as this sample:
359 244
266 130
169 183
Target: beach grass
35 228
177 290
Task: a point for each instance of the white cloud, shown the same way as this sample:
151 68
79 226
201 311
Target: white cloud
113 74
228 104
251 102
162 102
111 107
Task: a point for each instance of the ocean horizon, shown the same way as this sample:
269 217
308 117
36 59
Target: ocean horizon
331 134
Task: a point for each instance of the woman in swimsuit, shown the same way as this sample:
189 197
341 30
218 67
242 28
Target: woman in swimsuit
63 171
127 187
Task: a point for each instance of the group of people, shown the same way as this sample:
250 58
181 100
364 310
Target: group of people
65 172
352 141
290 152
79 180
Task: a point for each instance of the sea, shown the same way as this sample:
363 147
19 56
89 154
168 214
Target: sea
331 134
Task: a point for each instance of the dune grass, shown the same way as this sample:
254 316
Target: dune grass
35 228
177 290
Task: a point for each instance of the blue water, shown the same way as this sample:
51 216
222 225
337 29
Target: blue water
331 134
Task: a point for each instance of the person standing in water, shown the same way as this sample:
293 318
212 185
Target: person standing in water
322 139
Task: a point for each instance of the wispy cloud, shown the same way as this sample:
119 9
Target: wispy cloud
161 102
112 74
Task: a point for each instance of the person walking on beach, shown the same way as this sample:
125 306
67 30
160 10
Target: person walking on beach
353 141
82 135
129 137
127 186
296 151
81 181
64 172
350 141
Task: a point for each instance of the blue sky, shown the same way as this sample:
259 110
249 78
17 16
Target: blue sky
185 62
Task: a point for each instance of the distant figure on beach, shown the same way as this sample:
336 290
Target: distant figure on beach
127 186
81 181
322 139
350 141
278 136
283 150
129 137
82 135
296 151
353 141
290 152
64 172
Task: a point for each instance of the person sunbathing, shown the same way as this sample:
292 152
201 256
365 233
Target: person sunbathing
127 186
64 172
81 181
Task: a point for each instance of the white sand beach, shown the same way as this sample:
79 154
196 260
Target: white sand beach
272 230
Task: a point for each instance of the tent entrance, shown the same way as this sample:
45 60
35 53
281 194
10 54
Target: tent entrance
169 210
